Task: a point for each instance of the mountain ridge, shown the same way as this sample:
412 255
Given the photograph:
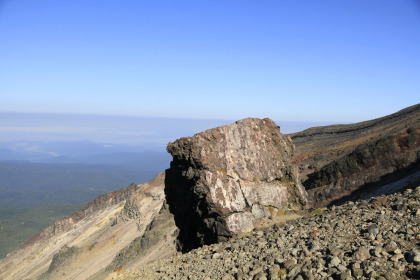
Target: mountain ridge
412 110
328 156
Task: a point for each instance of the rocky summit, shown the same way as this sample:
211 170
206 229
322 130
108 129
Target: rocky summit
223 181
244 201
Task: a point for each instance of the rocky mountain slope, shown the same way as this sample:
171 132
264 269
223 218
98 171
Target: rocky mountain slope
335 161
100 237
368 239
224 182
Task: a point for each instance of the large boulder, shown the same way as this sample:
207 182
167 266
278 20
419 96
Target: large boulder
225 180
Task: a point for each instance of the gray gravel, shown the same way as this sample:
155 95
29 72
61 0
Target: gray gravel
369 239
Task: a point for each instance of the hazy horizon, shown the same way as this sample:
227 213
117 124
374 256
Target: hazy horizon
113 129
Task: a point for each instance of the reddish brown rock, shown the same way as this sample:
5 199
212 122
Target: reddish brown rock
225 180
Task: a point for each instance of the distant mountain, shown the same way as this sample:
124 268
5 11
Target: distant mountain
69 151
143 160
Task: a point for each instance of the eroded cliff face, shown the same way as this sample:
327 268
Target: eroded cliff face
347 160
114 231
223 181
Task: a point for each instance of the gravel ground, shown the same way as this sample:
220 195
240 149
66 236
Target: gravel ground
369 239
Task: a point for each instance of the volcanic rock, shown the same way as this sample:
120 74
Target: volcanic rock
358 160
223 181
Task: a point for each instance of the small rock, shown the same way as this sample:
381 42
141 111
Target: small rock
345 275
314 247
294 252
389 276
357 272
273 272
391 246
333 251
361 254
299 277
260 276
341 268
240 274
373 229
334 261
307 275
377 252
289 263
227 277
396 257
216 256
293 272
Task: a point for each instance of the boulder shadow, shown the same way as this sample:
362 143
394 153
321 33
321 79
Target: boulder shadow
196 226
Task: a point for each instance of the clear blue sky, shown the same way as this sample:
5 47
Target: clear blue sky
335 61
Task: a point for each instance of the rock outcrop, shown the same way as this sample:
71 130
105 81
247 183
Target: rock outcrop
223 181
157 241
345 160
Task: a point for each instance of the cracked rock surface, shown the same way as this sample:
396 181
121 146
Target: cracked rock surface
223 181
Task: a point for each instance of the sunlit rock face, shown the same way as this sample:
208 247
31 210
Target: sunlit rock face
119 229
223 181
